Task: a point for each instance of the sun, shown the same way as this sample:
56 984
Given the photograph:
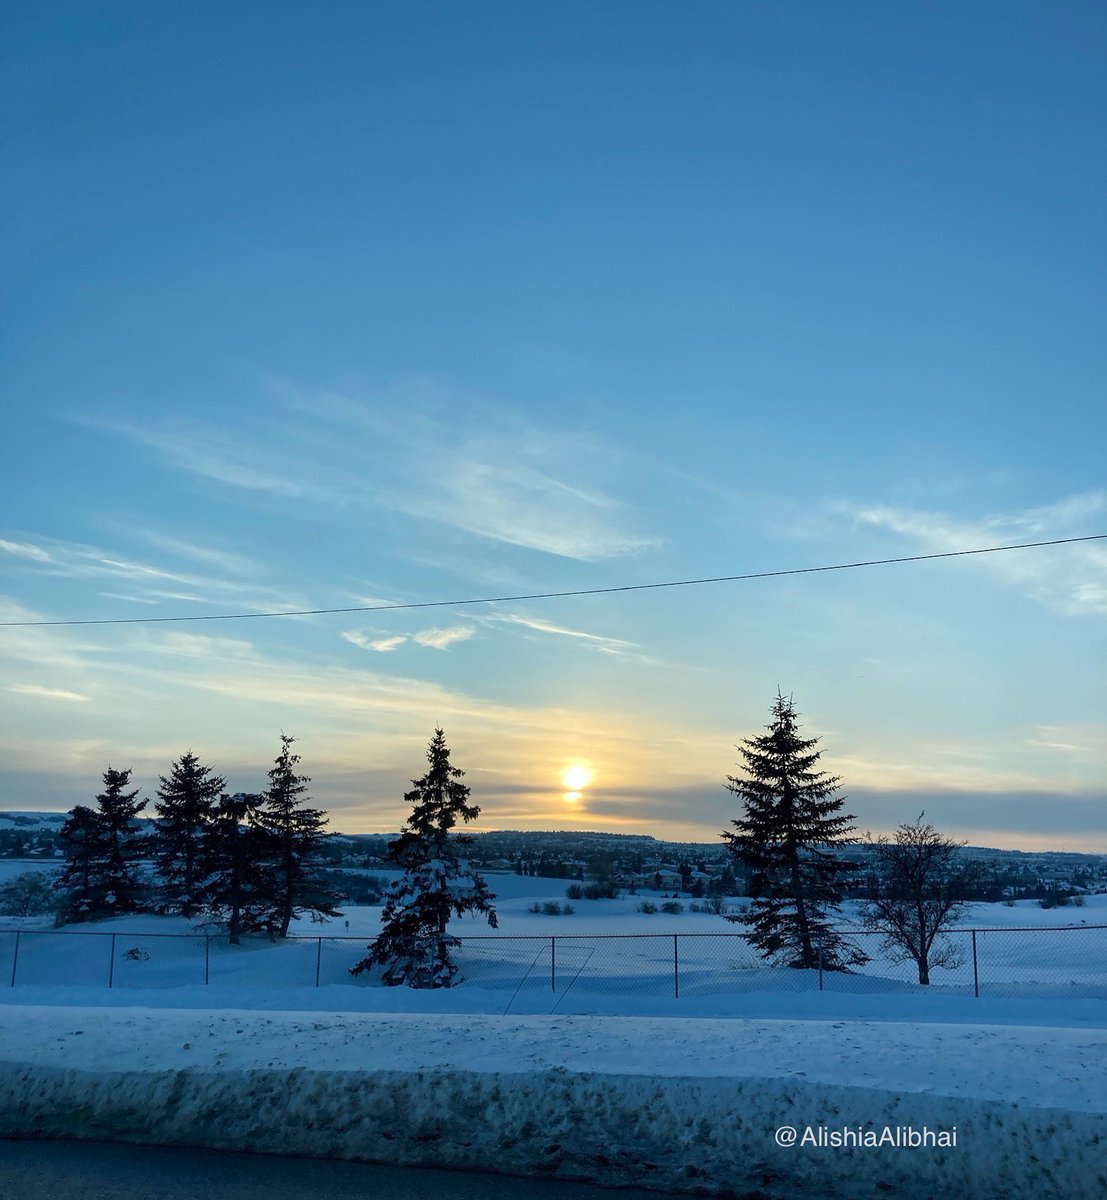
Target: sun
576 777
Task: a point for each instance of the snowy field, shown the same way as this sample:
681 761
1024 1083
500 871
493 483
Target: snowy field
605 957
586 1067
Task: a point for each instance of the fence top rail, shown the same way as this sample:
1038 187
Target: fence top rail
534 937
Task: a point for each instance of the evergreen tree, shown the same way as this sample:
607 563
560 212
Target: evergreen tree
293 838
117 883
103 849
237 890
185 808
414 947
82 845
786 840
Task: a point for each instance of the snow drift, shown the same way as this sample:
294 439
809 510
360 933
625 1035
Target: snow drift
669 1103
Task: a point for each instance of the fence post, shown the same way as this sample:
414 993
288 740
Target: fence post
318 959
111 965
553 964
975 973
15 957
820 960
207 959
676 971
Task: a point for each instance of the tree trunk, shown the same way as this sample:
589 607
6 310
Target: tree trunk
924 972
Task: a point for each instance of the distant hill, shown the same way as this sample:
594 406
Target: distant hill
575 845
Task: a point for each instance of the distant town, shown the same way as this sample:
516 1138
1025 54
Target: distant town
627 862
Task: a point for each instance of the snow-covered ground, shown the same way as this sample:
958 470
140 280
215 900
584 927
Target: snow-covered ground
673 1103
592 1069
578 962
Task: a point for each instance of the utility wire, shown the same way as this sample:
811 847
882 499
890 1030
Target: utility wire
601 591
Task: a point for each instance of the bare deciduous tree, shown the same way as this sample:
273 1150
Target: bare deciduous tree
918 888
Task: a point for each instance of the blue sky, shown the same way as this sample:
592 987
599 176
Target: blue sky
313 306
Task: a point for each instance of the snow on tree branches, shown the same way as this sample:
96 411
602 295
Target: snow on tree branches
413 947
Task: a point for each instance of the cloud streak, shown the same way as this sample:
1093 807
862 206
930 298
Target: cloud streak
502 481
47 693
153 582
433 639
607 645
1069 579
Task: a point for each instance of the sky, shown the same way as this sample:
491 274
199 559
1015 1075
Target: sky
334 306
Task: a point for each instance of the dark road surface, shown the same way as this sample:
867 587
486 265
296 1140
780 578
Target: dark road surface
109 1171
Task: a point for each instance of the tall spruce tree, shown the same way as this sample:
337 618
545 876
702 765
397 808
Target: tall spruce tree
414 948
238 890
186 807
103 848
82 845
293 836
786 840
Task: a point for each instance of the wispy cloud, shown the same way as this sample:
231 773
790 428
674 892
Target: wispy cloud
24 550
46 693
608 645
440 639
500 479
223 560
154 581
1071 579
381 645
434 639
1087 743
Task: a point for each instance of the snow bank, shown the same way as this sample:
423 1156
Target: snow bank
671 1103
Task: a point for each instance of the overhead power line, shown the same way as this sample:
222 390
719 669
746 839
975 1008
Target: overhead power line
600 591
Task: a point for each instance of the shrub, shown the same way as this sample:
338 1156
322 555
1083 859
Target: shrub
647 906
567 909
551 908
27 895
598 891
575 891
672 906
535 907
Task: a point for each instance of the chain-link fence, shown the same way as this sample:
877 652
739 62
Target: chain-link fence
1066 961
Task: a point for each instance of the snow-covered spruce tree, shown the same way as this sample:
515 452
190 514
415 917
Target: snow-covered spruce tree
103 850
292 838
786 840
81 844
413 947
238 889
185 808
919 887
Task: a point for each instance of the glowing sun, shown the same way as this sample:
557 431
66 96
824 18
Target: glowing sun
576 778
